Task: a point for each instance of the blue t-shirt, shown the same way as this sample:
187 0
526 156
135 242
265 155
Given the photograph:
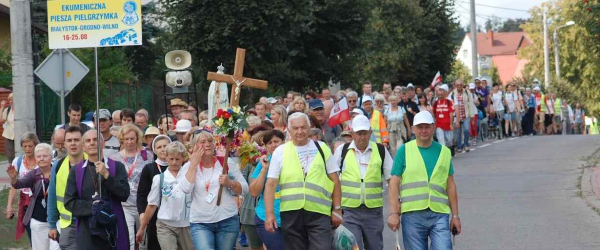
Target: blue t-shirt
260 206
430 156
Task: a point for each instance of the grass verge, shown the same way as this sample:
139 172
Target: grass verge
7 227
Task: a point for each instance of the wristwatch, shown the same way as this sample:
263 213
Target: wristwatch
455 216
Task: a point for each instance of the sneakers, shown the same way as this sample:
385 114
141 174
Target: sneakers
466 149
243 241
459 151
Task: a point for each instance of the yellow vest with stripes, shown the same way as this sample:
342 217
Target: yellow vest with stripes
376 126
62 175
352 184
417 192
313 193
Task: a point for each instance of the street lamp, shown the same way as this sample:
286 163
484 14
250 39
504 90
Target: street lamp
556 53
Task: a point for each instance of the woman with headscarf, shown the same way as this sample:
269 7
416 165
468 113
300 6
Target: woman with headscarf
150 170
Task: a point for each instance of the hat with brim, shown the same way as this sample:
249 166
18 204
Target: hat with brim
104 114
367 99
361 123
178 102
315 104
346 133
357 111
152 131
182 126
423 117
271 100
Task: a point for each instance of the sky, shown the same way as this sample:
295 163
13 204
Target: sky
483 12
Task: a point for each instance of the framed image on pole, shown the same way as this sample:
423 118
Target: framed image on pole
94 23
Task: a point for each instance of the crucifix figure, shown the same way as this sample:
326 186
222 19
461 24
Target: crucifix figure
237 80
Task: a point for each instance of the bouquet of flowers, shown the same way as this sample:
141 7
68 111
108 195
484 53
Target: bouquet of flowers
236 142
249 153
230 120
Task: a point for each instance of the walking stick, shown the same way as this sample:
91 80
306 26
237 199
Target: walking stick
228 140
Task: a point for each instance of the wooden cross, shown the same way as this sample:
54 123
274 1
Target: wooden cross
237 80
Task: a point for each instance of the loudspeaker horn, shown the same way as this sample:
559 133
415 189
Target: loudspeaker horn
178 60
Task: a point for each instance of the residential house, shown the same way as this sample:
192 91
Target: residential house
497 48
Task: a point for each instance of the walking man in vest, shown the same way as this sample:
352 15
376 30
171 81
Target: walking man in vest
83 186
56 190
364 165
428 197
310 191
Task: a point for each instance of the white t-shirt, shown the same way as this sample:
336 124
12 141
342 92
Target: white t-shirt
306 153
203 211
175 204
497 101
511 99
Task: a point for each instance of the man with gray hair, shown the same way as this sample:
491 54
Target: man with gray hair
310 190
116 115
58 144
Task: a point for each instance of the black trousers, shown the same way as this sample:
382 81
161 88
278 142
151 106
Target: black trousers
303 230
528 121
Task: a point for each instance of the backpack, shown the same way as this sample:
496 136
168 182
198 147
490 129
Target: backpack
380 148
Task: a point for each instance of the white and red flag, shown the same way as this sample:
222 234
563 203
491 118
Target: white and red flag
339 113
437 79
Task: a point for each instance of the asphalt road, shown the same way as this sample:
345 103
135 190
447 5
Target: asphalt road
523 194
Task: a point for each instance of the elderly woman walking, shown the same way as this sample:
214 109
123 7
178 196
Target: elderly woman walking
212 226
23 164
397 124
134 157
37 180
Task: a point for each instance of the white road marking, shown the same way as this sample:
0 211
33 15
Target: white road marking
484 145
498 141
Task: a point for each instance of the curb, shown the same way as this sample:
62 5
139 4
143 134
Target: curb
586 188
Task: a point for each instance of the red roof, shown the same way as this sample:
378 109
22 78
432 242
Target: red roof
509 67
500 43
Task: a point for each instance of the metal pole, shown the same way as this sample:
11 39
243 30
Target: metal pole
62 90
98 120
546 49
474 59
556 55
22 69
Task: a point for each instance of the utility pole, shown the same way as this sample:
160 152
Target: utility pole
546 49
474 59
22 69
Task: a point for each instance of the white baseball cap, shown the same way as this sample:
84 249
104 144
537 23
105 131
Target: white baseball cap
361 123
367 99
537 88
471 85
357 111
410 85
423 117
444 87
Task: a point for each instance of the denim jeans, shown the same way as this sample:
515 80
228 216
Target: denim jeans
220 235
418 226
462 134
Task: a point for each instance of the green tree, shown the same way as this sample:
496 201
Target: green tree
579 50
459 71
292 44
410 47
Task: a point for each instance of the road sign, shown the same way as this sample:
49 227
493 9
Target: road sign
72 70
94 23
61 71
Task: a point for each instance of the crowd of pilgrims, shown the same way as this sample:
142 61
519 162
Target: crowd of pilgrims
163 179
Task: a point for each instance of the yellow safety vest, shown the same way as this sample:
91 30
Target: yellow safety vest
417 192
65 215
376 127
352 184
312 193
